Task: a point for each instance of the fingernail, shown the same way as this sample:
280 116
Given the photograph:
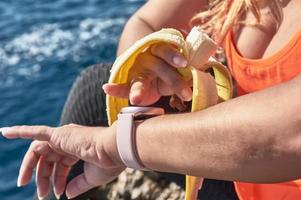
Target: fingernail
4 130
58 196
40 198
19 182
186 94
104 86
135 100
179 61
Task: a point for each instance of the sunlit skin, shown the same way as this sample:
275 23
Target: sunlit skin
253 138
52 153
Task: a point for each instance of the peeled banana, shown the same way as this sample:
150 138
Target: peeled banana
207 90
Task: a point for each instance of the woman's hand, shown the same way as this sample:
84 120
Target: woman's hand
159 77
55 150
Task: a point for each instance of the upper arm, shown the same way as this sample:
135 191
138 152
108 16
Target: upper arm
170 13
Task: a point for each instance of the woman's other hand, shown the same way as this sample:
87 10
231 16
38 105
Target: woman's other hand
55 150
155 75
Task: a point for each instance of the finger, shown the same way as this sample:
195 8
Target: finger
43 174
42 133
92 176
30 161
143 91
61 172
117 90
28 164
170 77
169 54
85 182
165 90
77 186
184 94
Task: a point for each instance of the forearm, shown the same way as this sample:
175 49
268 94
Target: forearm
158 14
135 29
251 138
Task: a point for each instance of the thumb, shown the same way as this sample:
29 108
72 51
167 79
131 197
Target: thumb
93 176
77 186
117 90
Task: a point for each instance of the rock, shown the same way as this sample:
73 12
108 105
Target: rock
137 185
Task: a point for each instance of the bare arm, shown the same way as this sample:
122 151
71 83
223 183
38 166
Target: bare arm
157 14
254 138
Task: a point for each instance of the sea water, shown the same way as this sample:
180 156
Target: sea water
44 44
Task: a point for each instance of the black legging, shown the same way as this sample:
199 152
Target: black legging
85 105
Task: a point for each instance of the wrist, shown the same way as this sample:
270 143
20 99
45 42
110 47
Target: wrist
126 133
110 146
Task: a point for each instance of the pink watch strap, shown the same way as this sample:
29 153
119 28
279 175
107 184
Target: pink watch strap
126 141
126 137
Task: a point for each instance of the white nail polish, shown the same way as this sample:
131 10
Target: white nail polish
40 198
57 195
4 130
19 182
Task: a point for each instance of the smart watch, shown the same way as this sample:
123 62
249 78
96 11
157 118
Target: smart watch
126 133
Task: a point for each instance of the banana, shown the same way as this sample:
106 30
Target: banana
207 90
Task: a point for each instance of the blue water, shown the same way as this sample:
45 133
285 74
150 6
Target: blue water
44 44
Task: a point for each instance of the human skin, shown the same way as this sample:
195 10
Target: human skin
52 154
251 138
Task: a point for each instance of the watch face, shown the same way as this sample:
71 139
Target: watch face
152 111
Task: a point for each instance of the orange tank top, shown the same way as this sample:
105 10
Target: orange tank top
255 74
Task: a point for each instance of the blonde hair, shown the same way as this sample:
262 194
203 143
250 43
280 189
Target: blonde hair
222 15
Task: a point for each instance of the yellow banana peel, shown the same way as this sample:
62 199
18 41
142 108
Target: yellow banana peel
197 48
